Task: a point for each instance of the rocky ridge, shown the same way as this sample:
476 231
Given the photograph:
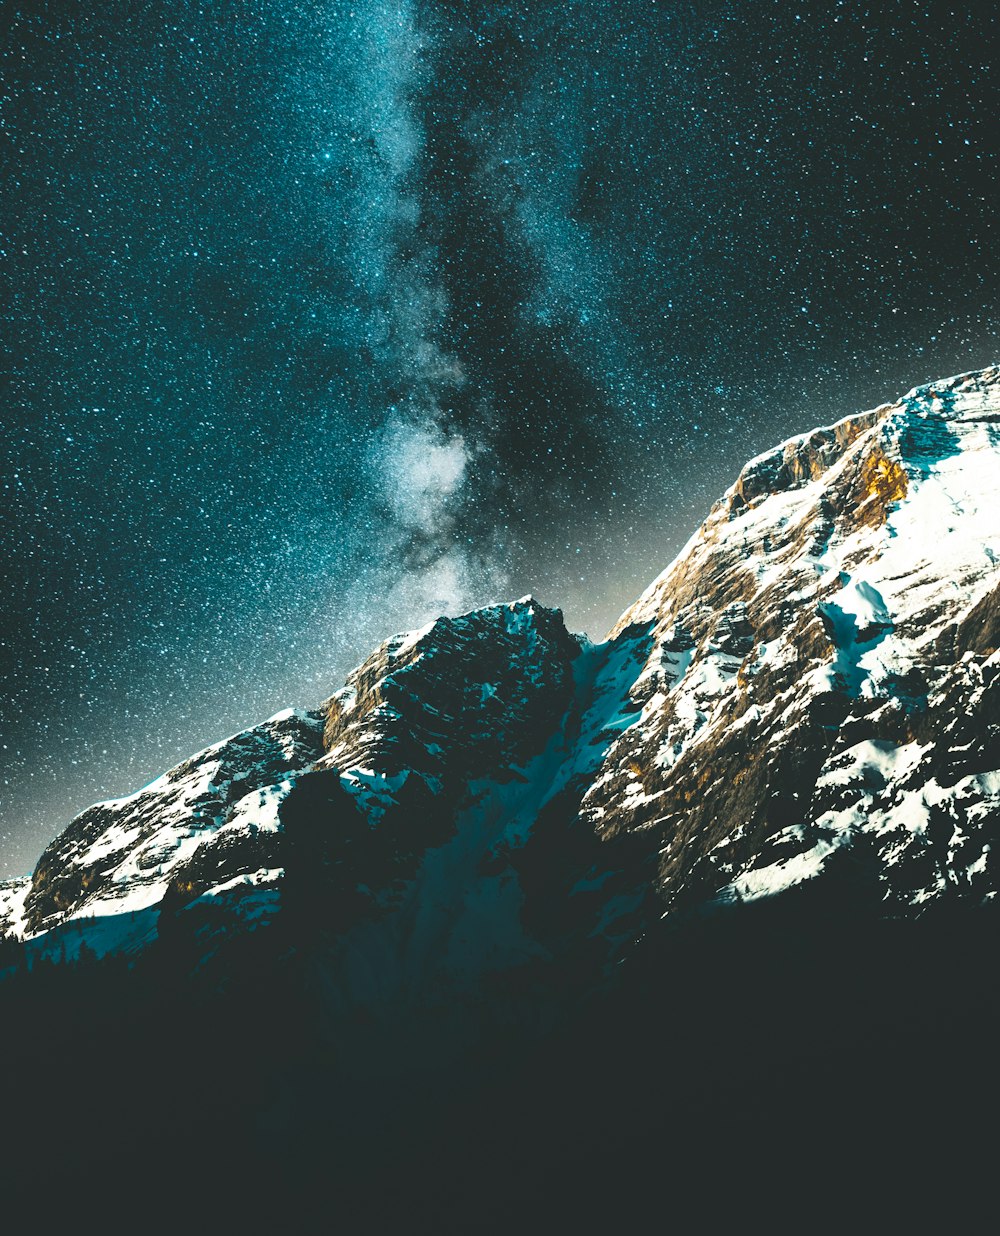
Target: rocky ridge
809 692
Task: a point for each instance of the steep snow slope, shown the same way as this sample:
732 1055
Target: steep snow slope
809 690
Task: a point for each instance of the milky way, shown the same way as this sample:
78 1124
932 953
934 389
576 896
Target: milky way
322 319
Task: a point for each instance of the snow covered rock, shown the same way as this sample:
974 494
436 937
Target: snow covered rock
823 646
115 862
809 692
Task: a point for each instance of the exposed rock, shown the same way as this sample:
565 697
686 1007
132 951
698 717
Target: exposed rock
815 675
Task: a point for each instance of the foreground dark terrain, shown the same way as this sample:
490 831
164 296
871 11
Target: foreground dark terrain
693 926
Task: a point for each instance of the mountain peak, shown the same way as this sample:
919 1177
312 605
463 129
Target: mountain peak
893 468
802 668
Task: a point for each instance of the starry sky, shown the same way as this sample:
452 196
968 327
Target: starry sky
321 319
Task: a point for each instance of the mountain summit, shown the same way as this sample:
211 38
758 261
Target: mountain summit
812 676
795 731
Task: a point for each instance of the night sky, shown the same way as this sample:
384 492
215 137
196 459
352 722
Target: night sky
320 319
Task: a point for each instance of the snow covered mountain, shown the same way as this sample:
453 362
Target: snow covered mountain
494 818
813 680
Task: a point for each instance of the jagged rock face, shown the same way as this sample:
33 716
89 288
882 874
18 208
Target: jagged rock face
820 652
459 699
809 689
362 787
